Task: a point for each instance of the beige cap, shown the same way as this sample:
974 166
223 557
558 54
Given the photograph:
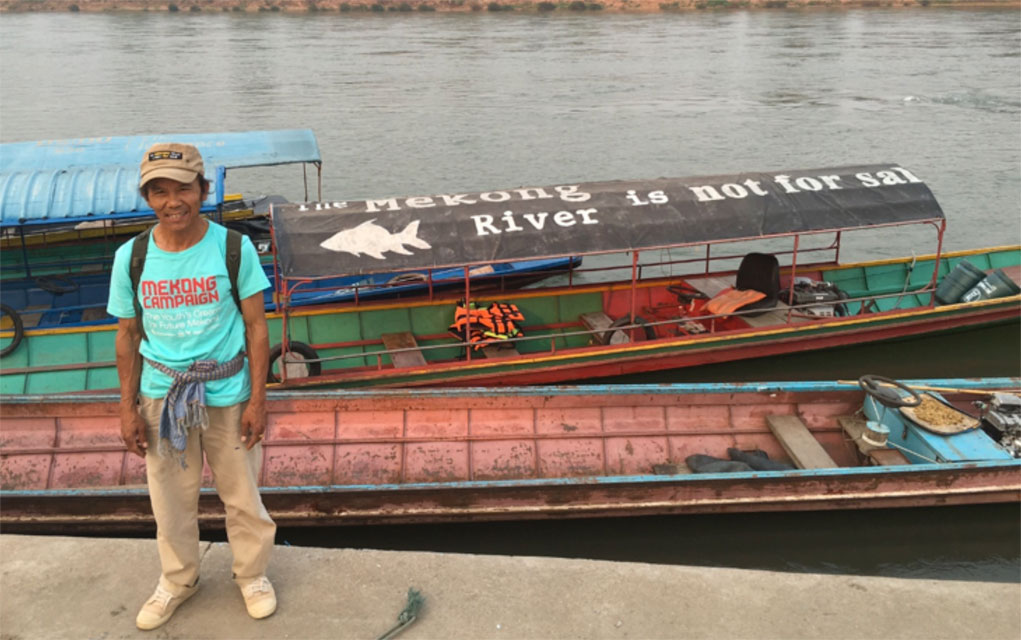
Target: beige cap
180 162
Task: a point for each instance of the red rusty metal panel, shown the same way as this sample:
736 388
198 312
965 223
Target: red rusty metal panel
753 416
634 418
27 433
436 461
292 464
636 455
367 464
82 469
577 419
570 458
25 471
134 469
89 431
431 423
698 418
503 459
300 426
297 465
79 470
824 415
370 424
495 422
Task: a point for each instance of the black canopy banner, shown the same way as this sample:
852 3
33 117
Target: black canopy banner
316 240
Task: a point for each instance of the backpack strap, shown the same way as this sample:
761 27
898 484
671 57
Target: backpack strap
233 258
139 247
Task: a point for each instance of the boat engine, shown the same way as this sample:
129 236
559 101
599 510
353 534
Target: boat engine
814 298
1001 419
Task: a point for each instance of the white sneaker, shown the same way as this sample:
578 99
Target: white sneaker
260 599
160 606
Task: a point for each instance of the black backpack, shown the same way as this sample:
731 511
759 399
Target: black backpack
140 246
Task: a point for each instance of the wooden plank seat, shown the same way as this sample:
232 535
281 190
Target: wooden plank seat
403 359
799 443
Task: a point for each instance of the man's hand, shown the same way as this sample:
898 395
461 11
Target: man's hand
133 432
253 424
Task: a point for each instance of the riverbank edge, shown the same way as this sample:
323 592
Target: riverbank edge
467 6
65 587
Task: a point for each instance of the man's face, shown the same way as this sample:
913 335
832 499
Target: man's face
176 203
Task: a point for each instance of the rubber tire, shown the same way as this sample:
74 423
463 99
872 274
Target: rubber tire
607 336
887 397
57 285
19 330
314 368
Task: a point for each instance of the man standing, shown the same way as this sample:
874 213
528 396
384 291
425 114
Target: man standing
187 388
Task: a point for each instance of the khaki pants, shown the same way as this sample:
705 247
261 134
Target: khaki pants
174 492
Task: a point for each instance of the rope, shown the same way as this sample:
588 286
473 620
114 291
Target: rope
407 615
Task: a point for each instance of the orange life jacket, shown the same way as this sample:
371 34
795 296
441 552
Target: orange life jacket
730 300
481 327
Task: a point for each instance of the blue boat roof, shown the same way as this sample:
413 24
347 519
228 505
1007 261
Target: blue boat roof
80 179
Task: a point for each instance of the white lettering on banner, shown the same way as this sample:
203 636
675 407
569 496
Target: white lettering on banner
566 193
485 226
710 193
654 197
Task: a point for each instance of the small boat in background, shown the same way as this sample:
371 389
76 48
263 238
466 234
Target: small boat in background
441 455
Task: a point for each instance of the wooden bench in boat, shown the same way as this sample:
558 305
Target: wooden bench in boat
403 359
881 456
799 443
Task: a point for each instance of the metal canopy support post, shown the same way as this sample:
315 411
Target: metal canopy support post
790 285
634 284
467 302
935 267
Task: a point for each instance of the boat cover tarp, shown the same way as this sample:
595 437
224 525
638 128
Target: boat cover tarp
64 180
316 240
79 194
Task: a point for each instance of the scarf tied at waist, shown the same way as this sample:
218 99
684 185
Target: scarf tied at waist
184 407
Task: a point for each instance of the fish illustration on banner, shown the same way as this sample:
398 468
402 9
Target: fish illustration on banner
373 240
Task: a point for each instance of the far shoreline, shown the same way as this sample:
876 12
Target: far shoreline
469 6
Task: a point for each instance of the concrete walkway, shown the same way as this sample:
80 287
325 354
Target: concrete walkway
80 588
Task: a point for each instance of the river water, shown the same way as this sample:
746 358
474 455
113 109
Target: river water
420 104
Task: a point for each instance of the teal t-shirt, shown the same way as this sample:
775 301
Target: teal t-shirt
188 311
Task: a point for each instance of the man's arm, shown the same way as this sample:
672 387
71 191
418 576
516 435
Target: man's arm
129 371
253 420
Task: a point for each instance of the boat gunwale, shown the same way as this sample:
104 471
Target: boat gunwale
572 481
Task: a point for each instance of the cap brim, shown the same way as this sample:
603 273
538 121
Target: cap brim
184 176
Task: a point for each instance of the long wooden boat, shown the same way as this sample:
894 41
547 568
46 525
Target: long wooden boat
399 456
684 240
